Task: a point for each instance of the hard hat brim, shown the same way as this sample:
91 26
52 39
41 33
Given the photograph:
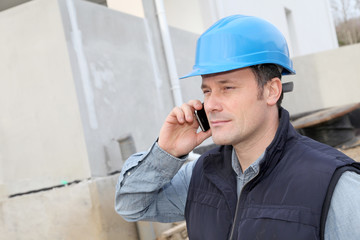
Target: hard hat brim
204 70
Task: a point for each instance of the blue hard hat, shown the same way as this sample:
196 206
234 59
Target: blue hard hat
240 41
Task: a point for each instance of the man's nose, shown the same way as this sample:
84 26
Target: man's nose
213 103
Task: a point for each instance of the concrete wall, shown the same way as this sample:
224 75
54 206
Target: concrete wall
133 7
312 24
77 78
186 15
307 25
41 136
122 87
324 80
111 65
79 211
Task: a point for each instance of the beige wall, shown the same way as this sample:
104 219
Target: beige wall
325 79
41 136
79 211
186 15
133 7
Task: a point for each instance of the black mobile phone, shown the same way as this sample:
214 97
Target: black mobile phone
202 119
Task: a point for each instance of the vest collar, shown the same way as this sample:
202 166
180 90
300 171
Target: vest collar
274 152
217 166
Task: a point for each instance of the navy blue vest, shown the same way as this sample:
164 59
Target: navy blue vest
288 199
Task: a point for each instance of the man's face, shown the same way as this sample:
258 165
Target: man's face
235 111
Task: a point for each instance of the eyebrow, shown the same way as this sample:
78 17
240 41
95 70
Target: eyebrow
225 81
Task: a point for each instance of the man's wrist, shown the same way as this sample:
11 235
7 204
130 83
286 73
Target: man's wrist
164 162
157 147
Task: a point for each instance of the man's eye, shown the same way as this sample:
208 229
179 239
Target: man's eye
205 91
228 88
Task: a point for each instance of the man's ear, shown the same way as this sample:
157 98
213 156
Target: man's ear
273 91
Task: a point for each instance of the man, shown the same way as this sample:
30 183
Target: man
264 181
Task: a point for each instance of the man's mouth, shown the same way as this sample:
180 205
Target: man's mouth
218 123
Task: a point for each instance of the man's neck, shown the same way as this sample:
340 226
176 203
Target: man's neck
248 152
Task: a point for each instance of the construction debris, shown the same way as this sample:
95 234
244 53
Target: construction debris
332 126
178 232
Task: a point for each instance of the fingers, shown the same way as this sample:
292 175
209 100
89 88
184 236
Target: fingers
196 104
202 136
185 113
179 133
179 114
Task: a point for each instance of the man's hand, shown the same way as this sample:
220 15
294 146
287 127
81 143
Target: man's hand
178 135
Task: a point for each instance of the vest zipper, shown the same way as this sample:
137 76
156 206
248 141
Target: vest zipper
237 207
236 211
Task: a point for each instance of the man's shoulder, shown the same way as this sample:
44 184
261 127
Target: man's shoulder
310 147
316 156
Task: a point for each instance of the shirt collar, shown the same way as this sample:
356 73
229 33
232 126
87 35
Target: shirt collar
254 167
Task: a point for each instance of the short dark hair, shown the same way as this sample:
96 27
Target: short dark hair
264 73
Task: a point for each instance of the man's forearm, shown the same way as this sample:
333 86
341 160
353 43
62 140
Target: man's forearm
140 192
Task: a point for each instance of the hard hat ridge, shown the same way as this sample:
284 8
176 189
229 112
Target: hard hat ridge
240 41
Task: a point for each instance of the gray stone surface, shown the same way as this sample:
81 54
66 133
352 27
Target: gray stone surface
78 211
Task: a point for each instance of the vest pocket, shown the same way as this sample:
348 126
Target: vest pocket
295 214
277 223
207 215
210 199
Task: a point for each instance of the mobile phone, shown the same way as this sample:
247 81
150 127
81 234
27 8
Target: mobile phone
202 119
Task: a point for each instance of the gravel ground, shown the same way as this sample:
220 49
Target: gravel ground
354 153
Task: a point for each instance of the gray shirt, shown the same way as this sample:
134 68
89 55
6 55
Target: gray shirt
153 186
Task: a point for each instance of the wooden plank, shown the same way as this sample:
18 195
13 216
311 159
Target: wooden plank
324 115
172 231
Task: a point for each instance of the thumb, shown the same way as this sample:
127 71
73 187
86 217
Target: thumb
202 136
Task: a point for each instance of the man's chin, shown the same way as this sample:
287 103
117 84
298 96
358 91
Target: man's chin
220 140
